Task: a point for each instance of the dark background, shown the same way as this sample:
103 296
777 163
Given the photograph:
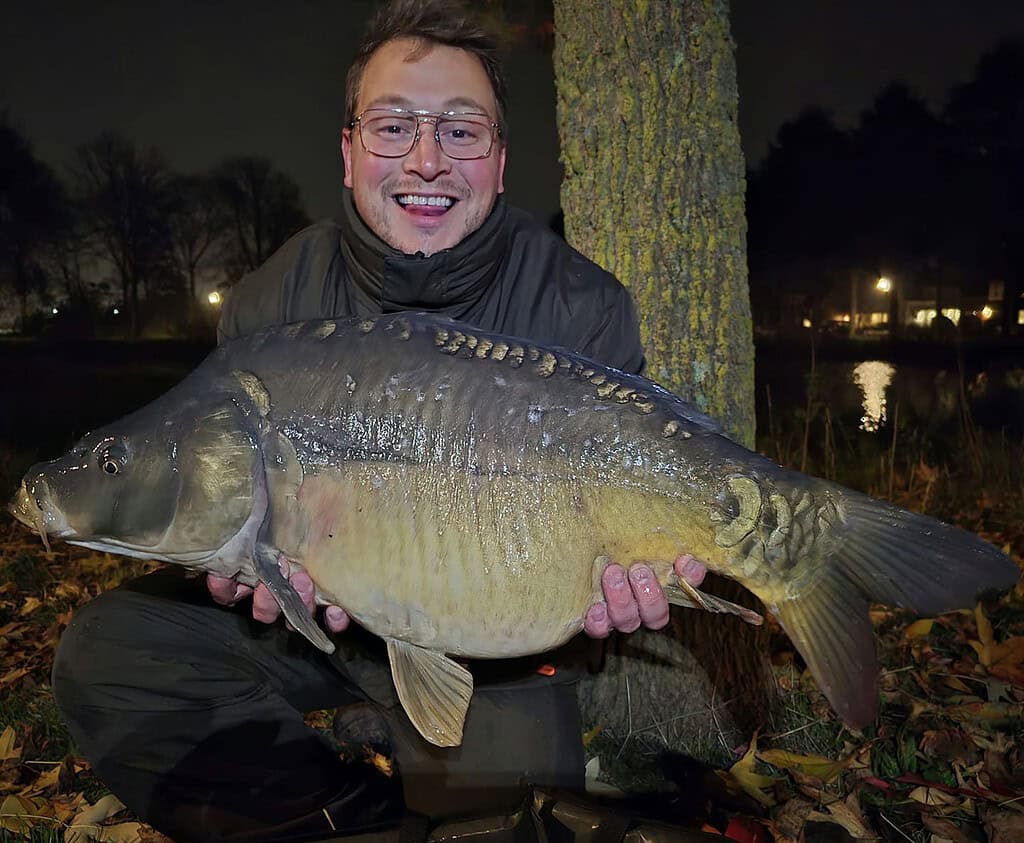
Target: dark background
202 81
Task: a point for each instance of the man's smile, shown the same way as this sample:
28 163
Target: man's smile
425 205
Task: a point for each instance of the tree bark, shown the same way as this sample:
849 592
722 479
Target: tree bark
654 192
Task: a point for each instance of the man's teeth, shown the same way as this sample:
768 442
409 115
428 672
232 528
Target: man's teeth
436 201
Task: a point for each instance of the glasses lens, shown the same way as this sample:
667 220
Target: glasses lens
464 138
388 134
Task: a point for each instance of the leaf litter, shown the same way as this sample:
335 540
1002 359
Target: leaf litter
943 762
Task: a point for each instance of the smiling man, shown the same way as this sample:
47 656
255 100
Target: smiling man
193 714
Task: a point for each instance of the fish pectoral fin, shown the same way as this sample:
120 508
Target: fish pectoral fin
681 593
295 611
434 690
831 629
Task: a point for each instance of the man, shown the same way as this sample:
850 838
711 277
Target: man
192 713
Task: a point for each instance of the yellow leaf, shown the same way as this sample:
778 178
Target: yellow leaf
7 750
932 796
588 737
121 833
985 637
30 605
918 629
19 813
755 784
809 765
45 780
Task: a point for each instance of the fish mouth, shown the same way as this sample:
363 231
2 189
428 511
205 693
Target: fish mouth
44 520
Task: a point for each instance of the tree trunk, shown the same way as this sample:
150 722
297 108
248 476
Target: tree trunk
654 193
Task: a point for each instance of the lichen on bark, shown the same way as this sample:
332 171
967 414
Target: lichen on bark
653 187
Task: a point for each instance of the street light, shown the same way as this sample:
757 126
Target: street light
884 284
214 298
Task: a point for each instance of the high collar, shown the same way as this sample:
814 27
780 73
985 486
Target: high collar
452 279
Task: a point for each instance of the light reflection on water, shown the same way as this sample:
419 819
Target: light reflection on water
873 376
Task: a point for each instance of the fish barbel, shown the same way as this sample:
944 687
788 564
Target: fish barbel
459 493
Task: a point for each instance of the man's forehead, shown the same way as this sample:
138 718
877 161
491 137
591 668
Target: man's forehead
412 74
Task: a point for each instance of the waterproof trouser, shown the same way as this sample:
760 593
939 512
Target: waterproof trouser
193 715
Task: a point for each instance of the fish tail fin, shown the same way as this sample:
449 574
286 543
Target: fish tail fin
882 553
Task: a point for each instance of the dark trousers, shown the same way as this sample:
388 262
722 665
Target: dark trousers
193 715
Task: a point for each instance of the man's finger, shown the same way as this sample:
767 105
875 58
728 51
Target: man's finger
651 603
596 623
303 585
225 590
691 569
622 608
264 606
335 619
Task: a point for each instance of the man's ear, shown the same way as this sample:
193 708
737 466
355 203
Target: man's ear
346 154
501 168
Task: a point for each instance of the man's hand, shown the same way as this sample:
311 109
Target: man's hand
636 598
227 592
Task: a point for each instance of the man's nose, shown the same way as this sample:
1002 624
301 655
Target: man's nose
426 159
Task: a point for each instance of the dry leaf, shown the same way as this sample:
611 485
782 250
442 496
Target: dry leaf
121 833
918 629
86 825
7 748
943 828
30 605
20 813
754 784
1004 827
14 676
932 796
47 779
816 766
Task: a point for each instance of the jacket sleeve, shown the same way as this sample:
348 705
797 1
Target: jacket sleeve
292 285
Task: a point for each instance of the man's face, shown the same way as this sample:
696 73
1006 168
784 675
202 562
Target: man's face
443 79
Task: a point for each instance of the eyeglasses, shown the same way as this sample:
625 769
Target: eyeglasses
393 132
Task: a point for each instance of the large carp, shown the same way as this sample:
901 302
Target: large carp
459 493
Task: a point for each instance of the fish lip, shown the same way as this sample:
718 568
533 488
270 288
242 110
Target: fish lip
26 509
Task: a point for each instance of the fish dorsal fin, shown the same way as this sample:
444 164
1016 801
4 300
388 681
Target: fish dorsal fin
831 628
435 691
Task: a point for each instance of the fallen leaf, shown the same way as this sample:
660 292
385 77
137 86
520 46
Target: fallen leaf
943 828
121 833
86 825
20 813
816 766
45 780
1004 827
14 675
30 605
7 748
918 629
756 785
932 796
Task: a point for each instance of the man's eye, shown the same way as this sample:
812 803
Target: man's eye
462 133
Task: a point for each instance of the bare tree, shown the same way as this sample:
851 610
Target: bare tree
265 208
197 222
124 192
31 210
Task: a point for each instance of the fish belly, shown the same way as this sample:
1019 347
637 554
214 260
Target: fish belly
484 567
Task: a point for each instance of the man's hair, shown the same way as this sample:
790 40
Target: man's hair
430 22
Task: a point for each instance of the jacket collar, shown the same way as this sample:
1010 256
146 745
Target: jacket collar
452 279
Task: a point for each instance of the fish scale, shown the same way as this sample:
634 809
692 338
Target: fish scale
459 493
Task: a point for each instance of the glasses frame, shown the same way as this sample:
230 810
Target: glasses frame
430 117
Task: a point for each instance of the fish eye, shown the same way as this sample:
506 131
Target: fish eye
113 459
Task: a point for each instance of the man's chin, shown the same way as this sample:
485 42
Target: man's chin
428 241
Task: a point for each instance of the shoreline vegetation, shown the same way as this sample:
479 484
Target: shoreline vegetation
942 763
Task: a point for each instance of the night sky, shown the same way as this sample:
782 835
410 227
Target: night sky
202 81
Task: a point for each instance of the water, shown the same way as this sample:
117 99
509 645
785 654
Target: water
865 395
